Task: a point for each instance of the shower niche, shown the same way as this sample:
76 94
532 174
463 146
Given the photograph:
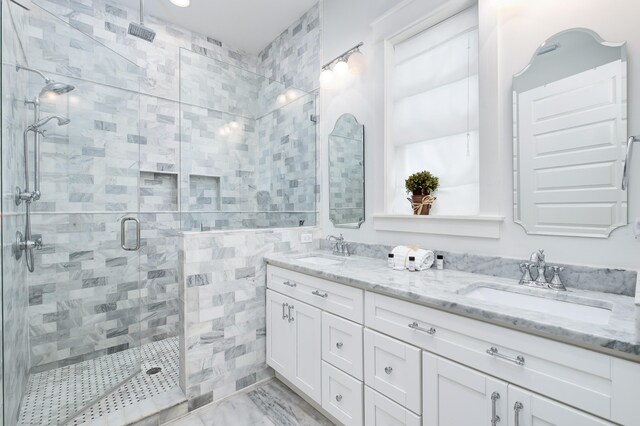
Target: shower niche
158 191
204 193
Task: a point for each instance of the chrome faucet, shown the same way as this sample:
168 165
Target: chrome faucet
538 261
341 247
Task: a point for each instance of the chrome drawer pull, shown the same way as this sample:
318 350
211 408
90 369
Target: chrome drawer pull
517 407
414 325
388 370
290 316
495 418
338 398
339 345
289 284
493 351
317 293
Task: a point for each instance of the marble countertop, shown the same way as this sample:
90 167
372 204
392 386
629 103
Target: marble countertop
447 290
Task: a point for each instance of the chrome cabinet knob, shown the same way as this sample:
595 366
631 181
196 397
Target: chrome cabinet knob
388 370
339 345
338 398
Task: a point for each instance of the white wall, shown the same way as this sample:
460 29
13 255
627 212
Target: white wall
522 26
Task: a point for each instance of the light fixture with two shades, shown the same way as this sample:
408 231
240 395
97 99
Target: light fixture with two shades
350 62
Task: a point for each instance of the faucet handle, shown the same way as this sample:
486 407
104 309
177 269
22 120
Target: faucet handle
526 273
556 283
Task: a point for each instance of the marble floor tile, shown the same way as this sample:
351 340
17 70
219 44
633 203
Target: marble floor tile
270 404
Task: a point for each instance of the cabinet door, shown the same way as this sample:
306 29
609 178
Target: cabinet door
279 334
455 395
529 409
307 337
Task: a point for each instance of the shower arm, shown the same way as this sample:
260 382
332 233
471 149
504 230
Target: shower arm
44 77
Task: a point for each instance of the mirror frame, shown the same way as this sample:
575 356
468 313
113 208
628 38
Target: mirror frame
362 220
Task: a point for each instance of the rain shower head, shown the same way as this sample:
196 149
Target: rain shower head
139 30
55 88
62 121
51 87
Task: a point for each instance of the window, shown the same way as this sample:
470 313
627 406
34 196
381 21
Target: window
434 114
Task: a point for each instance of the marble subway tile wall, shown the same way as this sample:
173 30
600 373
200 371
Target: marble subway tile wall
294 56
287 157
15 294
291 168
92 166
222 295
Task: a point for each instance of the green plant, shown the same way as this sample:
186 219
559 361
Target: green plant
421 183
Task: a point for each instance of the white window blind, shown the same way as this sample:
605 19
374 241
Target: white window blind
435 113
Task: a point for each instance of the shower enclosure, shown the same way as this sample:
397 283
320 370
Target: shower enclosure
71 294
122 168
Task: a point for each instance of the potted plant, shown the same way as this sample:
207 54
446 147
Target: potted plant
421 185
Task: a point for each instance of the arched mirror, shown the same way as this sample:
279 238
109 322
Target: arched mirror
346 173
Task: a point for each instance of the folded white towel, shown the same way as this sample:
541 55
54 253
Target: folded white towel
424 258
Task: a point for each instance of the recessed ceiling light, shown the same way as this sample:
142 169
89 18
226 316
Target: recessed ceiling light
181 3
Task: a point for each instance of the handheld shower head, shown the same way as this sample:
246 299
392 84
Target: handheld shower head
62 121
51 87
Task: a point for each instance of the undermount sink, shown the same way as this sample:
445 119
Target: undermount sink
321 260
580 309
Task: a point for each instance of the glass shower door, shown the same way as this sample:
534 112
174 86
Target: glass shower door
71 328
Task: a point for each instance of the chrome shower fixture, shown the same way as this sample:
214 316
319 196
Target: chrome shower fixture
62 121
139 30
51 87
28 242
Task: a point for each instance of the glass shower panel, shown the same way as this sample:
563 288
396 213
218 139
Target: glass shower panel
248 148
80 308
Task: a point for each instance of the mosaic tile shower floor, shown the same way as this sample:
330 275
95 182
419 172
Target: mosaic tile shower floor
54 396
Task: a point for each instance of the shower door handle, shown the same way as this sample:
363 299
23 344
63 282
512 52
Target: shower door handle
123 243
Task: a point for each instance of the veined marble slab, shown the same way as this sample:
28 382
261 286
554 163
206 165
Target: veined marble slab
445 289
607 280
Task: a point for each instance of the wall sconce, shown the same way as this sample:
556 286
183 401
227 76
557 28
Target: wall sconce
350 62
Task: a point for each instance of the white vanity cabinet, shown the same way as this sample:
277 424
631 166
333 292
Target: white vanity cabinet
315 340
293 342
376 360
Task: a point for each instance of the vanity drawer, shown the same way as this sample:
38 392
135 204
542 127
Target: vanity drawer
393 368
381 411
339 299
342 395
574 375
342 344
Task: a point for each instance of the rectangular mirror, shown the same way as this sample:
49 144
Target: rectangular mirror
570 136
346 173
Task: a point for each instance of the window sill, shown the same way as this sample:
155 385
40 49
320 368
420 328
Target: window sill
463 226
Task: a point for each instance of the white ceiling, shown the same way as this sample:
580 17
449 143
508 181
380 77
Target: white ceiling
249 25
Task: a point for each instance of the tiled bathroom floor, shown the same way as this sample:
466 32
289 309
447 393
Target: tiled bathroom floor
55 395
270 404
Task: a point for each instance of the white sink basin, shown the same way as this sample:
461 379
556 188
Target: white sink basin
566 309
321 260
